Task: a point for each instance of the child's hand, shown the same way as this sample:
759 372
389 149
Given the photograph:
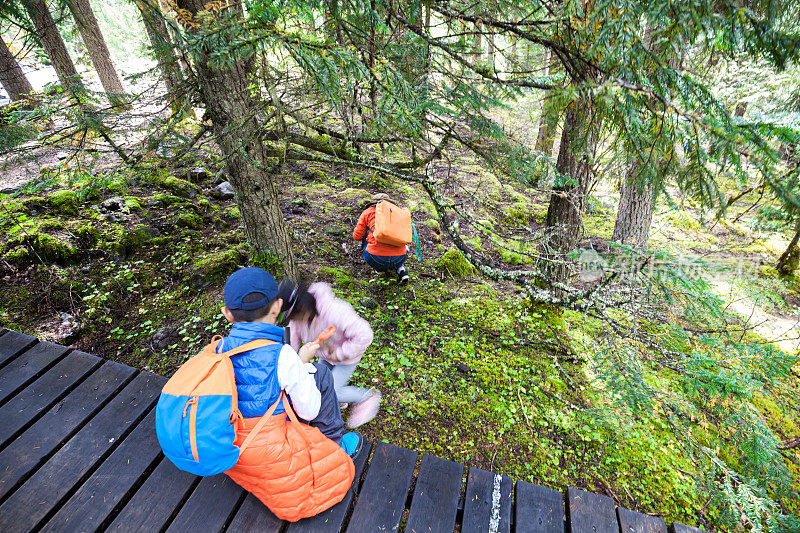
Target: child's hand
307 351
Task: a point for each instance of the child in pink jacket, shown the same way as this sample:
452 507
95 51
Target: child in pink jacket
309 311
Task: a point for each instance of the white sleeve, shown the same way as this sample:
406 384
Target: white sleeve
299 384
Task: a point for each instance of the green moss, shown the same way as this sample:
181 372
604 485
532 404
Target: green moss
454 262
233 212
217 265
518 213
203 205
340 278
179 186
357 196
50 224
132 203
34 203
87 234
64 201
50 249
189 220
168 199
124 241
18 255
309 191
684 220
433 224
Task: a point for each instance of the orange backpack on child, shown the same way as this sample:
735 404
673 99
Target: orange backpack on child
291 467
392 224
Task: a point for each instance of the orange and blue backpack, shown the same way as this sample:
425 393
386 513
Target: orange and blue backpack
197 414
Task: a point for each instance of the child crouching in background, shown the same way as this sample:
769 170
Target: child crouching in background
308 312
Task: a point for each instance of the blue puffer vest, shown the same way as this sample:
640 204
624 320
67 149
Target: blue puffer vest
256 371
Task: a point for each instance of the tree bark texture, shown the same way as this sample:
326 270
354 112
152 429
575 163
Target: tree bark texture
230 105
637 200
11 76
789 259
635 212
52 42
548 123
567 202
98 51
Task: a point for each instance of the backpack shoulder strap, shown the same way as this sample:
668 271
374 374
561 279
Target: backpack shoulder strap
252 345
260 424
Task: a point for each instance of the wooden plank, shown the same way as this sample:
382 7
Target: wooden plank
109 484
253 516
436 494
209 506
538 509
12 343
487 502
681 528
633 522
25 453
591 513
27 366
40 395
55 479
332 519
155 501
382 497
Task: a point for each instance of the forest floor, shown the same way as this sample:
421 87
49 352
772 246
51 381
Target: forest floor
129 264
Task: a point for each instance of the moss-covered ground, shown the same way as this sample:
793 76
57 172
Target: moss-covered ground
469 371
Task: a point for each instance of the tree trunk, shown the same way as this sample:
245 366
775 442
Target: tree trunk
52 42
635 212
637 200
789 259
163 50
11 76
565 212
98 51
230 104
548 123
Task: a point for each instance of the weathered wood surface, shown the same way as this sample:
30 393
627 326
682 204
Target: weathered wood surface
78 452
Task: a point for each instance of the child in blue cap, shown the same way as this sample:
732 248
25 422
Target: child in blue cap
252 306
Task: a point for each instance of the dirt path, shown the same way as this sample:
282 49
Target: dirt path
783 332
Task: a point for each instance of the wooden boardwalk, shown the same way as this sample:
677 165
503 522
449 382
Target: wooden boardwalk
78 452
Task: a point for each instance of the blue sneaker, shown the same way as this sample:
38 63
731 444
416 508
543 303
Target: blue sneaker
352 442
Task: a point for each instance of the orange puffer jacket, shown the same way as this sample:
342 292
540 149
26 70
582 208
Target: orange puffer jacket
292 468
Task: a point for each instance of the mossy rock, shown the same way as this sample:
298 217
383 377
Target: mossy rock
518 213
189 220
454 262
34 203
132 203
433 224
87 234
179 186
233 212
19 255
50 224
46 247
217 265
127 241
357 196
64 201
168 199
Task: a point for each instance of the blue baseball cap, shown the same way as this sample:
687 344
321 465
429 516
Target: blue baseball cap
247 281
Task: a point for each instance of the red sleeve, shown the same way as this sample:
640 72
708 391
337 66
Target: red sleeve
361 227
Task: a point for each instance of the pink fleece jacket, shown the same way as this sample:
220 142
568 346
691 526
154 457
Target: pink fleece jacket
353 334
